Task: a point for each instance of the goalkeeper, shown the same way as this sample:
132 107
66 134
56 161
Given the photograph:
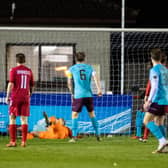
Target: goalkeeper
56 129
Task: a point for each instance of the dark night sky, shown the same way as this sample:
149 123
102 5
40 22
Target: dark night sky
151 13
104 13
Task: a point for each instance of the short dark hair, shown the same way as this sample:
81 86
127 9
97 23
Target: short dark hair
156 54
20 58
80 56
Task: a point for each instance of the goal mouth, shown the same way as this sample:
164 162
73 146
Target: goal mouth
120 58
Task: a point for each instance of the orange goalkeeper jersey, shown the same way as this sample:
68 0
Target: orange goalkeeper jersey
56 131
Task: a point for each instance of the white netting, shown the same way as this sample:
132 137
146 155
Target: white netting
49 52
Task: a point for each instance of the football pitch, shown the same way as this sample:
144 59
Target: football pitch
117 151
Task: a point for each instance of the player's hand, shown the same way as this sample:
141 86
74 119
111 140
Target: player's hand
7 100
30 94
145 99
99 93
146 105
72 97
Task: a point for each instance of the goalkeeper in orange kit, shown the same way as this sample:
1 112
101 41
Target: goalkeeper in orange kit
56 129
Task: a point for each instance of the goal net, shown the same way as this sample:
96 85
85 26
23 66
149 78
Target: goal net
50 52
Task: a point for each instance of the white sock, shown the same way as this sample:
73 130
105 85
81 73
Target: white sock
162 140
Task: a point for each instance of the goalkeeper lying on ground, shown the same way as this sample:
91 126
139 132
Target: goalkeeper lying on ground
55 129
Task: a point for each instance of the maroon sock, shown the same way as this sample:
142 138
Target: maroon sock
24 132
12 132
146 133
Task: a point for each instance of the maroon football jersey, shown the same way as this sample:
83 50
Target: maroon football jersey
22 78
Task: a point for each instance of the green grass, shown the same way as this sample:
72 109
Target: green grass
118 152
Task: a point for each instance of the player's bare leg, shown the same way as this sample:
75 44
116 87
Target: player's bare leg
12 131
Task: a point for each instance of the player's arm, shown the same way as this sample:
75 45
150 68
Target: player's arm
147 91
31 84
31 90
69 81
69 85
9 89
154 81
97 82
46 119
10 85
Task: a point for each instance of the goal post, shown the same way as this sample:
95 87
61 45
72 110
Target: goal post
122 66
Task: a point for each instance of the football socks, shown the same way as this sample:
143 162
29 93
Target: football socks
74 127
162 129
154 129
24 132
95 125
12 132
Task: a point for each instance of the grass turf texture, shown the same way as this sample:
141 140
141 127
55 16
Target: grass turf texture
118 152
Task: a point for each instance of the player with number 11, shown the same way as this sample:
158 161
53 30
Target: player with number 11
19 90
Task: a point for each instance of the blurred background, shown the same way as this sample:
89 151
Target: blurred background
86 13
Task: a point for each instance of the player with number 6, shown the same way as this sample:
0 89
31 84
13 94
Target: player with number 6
80 75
